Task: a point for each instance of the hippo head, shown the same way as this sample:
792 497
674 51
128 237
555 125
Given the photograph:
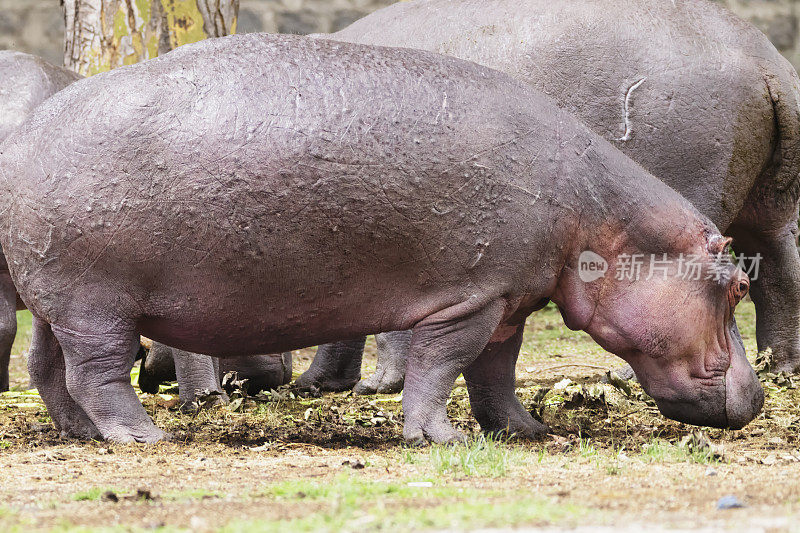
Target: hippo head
666 307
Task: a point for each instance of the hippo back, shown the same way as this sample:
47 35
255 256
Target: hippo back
679 86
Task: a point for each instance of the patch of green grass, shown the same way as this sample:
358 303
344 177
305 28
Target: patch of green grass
92 494
661 451
351 504
586 448
12 521
483 457
24 328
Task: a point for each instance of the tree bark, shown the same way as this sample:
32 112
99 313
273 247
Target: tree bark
104 34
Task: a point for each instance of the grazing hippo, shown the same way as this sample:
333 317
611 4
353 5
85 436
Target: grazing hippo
695 95
193 371
25 82
260 193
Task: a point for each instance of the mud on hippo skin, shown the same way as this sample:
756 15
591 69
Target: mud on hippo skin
25 82
331 154
656 93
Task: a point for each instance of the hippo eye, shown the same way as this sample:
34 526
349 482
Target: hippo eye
743 287
738 289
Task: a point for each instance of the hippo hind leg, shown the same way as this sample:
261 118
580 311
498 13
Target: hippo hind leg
775 291
392 354
98 367
48 374
443 345
8 326
491 382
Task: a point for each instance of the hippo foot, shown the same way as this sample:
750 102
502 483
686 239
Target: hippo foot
336 367
147 383
309 382
789 367
77 427
4 384
123 435
435 429
204 399
525 428
503 416
393 350
383 381
785 360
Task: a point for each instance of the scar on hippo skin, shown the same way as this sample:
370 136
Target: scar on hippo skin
627 110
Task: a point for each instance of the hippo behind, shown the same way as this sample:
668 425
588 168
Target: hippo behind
25 82
307 183
695 95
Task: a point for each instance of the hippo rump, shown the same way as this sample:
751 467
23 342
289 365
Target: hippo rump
260 193
695 95
25 82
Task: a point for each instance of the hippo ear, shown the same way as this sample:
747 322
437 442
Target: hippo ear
717 244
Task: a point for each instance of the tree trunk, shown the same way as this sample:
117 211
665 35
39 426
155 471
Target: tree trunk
104 34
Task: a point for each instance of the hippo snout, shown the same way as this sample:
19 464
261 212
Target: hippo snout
744 395
732 404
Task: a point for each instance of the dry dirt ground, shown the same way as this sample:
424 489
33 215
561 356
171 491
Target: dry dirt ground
286 463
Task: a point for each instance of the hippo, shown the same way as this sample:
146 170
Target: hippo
259 193
695 95
25 82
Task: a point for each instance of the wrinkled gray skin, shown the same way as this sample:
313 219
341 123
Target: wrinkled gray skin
192 371
25 82
695 95
163 199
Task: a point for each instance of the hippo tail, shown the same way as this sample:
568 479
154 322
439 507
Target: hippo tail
784 93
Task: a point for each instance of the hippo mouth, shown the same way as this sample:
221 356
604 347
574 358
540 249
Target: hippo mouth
727 400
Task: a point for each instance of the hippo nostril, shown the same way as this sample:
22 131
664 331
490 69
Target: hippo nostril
743 288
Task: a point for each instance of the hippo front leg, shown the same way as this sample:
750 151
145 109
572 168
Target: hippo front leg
388 378
491 381
775 291
48 374
98 367
443 345
8 325
336 366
